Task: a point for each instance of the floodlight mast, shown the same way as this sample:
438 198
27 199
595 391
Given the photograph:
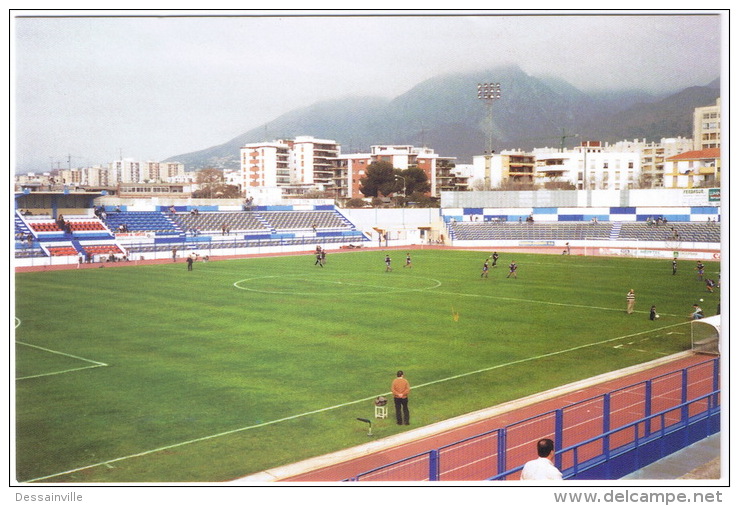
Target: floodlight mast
488 92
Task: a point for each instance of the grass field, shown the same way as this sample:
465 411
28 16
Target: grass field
156 374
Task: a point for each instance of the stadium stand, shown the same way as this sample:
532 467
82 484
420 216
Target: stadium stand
102 249
305 220
220 222
142 221
471 231
62 250
44 226
79 226
678 231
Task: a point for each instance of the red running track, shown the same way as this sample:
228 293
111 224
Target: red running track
347 464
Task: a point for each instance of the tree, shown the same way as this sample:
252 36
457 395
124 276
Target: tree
355 203
378 180
413 180
213 186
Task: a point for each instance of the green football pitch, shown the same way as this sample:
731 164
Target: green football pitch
154 373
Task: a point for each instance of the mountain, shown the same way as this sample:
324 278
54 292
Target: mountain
445 114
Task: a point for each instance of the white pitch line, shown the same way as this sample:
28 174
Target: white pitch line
330 408
387 288
62 353
440 292
93 362
533 301
60 372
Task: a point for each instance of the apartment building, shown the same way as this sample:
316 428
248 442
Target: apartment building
265 164
301 161
602 169
707 127
653 156
350 169
499 169
96 177
312 161
162 171
438 169
125 171
694 169
592 165
348 172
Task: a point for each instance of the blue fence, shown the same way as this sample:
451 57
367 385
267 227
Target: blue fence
604 437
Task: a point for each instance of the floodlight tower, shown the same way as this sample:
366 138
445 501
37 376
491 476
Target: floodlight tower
488 92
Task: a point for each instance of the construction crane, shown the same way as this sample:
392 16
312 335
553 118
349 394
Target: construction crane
562 139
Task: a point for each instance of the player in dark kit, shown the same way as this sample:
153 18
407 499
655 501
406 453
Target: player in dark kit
700 268
512 270
495 259
674 266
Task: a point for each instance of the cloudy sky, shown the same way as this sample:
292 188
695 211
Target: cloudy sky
90 89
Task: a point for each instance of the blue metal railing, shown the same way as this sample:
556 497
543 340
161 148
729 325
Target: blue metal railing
663 414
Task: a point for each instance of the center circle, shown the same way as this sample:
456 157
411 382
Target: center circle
300 284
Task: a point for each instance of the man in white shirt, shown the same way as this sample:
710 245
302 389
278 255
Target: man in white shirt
542 468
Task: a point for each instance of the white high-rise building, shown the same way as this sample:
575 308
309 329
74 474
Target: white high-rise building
265 164
302 161
311 161
125 171
592 165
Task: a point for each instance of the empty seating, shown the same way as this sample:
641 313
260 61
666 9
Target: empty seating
102 249
79 226
220 222
673 232
142 221
44 226
472 231
639 231
57 251
305 220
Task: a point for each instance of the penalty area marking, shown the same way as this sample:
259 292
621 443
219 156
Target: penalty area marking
94 363
108 463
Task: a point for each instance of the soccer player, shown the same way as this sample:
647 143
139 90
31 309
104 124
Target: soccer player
408 261
710 284
630 301
485 268
700 268
512 268
697 313
674 266
388 268
495 258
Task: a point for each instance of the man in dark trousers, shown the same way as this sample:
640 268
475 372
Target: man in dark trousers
401 388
